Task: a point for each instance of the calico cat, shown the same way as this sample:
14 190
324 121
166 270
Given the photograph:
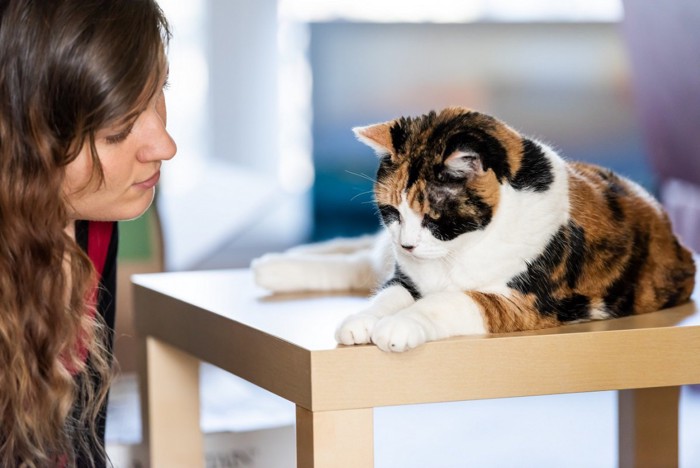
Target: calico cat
488 231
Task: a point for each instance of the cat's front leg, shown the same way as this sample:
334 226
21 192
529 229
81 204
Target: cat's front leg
358 328
431 318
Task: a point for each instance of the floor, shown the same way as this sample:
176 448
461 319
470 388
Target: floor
577 430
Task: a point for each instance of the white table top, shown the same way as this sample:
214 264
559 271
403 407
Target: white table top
285 343
308 320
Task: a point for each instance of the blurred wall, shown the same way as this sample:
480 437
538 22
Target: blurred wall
220 196
663 45
566 84
242 49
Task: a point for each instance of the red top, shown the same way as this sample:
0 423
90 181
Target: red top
100 246
99 240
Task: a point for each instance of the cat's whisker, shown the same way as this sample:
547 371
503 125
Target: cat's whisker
362 176
371 179
364 193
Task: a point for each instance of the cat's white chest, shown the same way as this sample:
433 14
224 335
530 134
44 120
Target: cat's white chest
488 259
434 276
431 276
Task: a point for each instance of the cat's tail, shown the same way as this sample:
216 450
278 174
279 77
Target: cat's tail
361 264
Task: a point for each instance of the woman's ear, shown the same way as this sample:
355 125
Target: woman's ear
377 136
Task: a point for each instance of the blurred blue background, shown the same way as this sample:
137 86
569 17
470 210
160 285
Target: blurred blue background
567 84
264 95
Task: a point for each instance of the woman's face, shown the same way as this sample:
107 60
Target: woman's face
130 156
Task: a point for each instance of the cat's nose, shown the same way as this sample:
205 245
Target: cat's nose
408 248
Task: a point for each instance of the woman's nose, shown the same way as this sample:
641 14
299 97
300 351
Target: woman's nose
158 144
166 147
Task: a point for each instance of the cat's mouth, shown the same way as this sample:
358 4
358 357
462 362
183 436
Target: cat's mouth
408 248
419 252
409 251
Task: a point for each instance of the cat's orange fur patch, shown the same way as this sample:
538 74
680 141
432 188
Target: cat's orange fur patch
590 209
507 314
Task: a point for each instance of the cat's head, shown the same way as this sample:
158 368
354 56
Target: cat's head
440 175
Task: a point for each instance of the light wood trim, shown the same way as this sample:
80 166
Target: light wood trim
648 427
170 406
251 354
335 439
507 366
613 354
335 387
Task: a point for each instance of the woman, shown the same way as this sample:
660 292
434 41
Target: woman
82 138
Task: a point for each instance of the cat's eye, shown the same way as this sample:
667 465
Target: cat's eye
389 214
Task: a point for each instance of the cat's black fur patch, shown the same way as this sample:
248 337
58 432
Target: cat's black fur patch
613 192
577 254
620 296
452 221
414 171
678 275
402 279
535 172
490 150
389 214
398 135
572 308
386 166
614 204
539 278
608 250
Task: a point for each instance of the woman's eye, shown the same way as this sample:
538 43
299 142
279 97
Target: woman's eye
119 137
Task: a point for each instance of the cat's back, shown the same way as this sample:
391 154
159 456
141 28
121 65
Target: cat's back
631 251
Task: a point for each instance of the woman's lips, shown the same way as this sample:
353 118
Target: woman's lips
150 182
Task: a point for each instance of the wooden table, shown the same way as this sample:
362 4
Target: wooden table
285 344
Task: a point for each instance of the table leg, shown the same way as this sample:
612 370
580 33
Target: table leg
648 427
169 387
335 439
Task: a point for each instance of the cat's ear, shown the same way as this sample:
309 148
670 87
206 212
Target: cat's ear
464 163
377 136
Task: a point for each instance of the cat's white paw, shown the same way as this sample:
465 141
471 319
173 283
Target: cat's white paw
356 329
398 333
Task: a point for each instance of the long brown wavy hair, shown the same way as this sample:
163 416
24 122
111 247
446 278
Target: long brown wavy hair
67 69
